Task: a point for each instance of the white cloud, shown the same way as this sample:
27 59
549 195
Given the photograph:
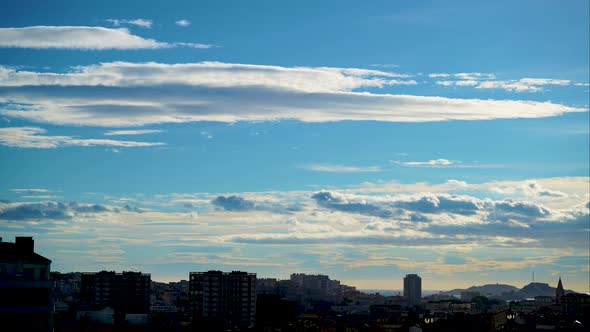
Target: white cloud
486 81
457 183
30 190
582 84
132 132
80 37
140 22
385 65
438 75
340 168
522 85
208 74
466 83
30 137
400 82
530 188
183 23
433 162
213 91
445 83
474 76
544 81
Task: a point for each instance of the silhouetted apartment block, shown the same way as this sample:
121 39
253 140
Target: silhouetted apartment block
274 312
222 300
125 293
26 301
413 289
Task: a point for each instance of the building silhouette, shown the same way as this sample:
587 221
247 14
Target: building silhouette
26 300
126 293
274 312
222 300
559 292
413 289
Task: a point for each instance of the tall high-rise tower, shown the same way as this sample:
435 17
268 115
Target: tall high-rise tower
413 289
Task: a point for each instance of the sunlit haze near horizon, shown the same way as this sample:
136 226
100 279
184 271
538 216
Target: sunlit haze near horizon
364 142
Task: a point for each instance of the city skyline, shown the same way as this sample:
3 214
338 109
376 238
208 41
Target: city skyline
361 142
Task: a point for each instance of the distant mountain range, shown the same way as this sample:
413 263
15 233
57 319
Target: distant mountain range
509 292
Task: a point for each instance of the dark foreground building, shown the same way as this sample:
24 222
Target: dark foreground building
26 301
274 312
126 293
413 289
221 300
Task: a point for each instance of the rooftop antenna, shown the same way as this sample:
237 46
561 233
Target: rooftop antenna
533 276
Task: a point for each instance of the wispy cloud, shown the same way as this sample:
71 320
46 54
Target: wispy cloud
340 168
474 76
183 23
522 85
385 65
132 132
31 137
428 163
140 22
439 75
30 190
81 37
134 94
488 81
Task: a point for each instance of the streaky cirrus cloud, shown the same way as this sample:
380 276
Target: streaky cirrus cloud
132 132
482 81
471 76
183 23
32 137
134 94
30 190
522 85
81 37
431 163
140 22
340 168
206 74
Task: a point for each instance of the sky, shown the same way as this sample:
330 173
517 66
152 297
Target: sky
449 139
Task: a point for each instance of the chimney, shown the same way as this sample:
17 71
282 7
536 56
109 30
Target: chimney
25 244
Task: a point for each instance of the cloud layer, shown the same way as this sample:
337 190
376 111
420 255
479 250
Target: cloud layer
32 137
48 210
132 94
369 226
82 37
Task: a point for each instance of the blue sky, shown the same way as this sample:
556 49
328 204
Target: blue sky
364 142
